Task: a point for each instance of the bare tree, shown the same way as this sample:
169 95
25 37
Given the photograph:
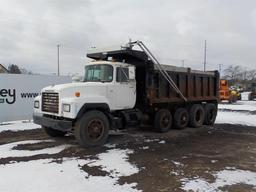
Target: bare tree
233 72
14 69
251 75
238 75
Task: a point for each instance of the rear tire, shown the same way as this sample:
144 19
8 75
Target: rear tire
181 118
163 121
210 113
53 132
196 115
92 129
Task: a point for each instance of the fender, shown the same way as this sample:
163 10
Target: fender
89 106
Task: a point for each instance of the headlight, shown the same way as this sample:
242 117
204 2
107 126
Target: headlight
36 104
66 107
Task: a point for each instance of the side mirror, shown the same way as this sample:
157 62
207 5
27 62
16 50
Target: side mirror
131 73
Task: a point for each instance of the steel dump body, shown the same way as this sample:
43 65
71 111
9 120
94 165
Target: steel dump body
194 85
154 90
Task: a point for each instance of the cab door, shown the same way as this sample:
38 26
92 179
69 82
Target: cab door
125 89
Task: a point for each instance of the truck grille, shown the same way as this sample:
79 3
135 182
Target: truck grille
50 102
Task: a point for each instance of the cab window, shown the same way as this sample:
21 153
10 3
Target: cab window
98 73
122 74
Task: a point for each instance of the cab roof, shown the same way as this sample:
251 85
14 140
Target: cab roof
126 55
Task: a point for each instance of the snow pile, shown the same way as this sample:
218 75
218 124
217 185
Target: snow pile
223 178
236 118
8 151
17 126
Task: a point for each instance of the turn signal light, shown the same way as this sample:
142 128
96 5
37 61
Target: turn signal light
77 94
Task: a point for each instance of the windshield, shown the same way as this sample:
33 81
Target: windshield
98 73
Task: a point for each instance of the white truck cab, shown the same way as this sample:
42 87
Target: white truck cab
107 85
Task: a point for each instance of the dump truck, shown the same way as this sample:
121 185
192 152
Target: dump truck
127 87
227 94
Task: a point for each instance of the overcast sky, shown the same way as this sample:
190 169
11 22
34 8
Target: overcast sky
173 29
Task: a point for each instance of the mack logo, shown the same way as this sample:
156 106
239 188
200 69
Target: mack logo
8 96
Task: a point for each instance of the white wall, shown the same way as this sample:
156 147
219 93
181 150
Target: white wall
17 93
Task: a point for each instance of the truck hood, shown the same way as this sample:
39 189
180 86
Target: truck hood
61 87
85 89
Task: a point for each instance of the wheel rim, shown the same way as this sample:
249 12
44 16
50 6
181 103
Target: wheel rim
164 120
95 129
184 119
198 115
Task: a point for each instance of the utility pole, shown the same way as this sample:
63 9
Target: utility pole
220 65
205 55
183 62
58 58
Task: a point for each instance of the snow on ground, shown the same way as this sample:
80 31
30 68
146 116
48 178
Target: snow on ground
236 118
222 178
17 126
176 163
151 140
115 161
47 175
233 116
239 105
8 150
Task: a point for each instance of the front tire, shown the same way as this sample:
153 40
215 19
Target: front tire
53 132
92 129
